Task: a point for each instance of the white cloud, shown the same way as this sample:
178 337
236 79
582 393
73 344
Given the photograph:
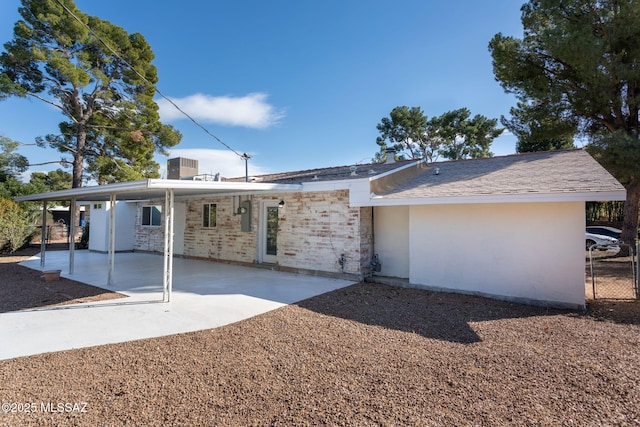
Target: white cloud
252 110
228 164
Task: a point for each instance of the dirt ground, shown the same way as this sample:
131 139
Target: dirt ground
23 288
364 355
614 277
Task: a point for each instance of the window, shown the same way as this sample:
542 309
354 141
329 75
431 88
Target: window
152 216
209 212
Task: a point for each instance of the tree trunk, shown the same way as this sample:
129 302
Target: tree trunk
630 221
78 158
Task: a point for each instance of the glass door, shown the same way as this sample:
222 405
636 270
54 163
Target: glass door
269 232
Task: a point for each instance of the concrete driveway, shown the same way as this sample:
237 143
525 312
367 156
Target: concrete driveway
205 295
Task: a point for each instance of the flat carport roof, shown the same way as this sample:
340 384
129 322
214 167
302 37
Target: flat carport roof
167 189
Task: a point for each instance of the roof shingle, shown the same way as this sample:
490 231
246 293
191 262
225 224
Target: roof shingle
553 172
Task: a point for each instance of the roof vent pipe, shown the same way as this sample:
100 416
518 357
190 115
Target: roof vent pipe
391 155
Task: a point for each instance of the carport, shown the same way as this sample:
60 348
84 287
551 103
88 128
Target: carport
150 189
206 295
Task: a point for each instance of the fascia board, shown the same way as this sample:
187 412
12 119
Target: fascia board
85 191
392 171
330 185
495 198
178 184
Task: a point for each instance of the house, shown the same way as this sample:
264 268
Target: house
510 227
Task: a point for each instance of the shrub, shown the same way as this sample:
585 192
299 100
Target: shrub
84 239
16 226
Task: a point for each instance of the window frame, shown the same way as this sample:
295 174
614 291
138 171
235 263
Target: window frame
150 217
206 215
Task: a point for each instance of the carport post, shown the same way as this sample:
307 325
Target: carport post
43 234
112 237
72 234
167 278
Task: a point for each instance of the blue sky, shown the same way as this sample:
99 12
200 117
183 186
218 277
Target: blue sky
296 84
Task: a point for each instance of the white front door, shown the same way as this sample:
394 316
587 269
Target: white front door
268 245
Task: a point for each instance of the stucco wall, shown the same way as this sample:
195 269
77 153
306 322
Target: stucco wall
314 230
391 241
99 226
532 251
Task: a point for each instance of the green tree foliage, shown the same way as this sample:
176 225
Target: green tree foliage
583 58
11 163
404 130
53 180
454 135
462 136
539 128
16 225
112 120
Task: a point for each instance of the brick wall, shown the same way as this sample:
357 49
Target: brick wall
148 238
315 231
225 241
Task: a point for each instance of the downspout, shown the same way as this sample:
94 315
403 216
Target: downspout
374 264
373 237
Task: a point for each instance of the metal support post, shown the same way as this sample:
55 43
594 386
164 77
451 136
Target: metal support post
167 278
72 234
112 238
43 234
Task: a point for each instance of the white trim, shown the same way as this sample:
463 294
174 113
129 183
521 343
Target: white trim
72 235
112 239
392 171
373 200
150 186
262 232
167 276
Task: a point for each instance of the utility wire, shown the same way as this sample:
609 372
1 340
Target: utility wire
243 156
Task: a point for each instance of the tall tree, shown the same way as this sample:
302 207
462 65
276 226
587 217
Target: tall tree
66 59
454 135
11 163
53 180
405 131
583 57
539 127
463 137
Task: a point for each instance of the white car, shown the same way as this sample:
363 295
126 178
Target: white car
600 240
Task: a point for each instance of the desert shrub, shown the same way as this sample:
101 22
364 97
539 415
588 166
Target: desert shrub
16 225
84 239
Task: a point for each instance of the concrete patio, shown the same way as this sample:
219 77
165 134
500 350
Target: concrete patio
205 295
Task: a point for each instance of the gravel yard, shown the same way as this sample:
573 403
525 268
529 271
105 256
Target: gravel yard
363 355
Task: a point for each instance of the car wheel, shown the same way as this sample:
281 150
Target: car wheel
590 243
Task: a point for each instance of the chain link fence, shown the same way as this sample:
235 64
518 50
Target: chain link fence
612 272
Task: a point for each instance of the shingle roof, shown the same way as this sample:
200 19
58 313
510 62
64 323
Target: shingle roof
553 172
325 174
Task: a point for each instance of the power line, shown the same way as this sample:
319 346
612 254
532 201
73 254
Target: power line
166 98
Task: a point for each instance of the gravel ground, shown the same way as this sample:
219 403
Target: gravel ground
364 355
23 288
